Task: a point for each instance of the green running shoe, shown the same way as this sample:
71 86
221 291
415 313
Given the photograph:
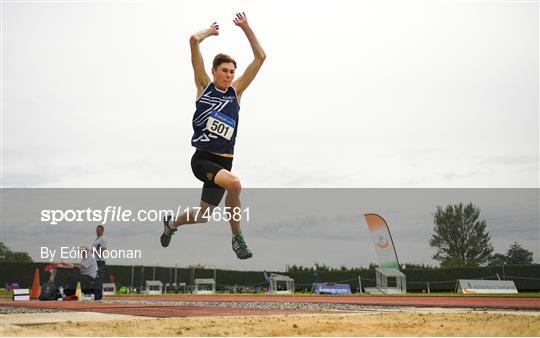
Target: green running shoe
240 248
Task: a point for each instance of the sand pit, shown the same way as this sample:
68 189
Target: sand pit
397 323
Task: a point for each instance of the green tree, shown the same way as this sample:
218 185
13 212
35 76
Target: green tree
373 266
321 267
460 238
516 254
6 255
18 256
497 259
3 252
417 266
298 268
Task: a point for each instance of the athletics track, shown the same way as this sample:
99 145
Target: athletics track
159 310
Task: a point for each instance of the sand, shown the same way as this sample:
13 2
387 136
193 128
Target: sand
407 323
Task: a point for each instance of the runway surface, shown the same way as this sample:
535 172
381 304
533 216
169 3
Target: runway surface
233 305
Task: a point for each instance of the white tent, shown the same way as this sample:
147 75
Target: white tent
390 280
280 284
154 287
205 286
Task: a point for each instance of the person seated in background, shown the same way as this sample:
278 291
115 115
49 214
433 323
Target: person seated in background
88 271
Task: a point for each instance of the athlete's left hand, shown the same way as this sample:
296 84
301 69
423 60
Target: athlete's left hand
241 20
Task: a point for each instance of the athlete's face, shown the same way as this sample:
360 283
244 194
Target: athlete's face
99 231
223 75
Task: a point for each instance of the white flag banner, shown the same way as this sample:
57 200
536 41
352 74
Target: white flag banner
384 246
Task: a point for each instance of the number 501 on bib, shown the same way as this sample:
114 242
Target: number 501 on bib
221 124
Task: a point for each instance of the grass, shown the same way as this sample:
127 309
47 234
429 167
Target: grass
6 294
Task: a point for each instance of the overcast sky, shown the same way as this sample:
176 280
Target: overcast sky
352 94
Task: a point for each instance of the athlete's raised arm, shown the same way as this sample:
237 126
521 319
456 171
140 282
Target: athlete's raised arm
258 53
201 78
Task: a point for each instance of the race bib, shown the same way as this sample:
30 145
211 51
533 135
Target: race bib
221 124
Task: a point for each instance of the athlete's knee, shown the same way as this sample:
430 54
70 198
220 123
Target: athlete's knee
234 185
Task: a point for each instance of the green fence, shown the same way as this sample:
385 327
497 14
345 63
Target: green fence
526 277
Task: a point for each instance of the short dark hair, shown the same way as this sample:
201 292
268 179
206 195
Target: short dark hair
100 226
222 58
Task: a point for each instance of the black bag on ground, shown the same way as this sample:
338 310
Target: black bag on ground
49 291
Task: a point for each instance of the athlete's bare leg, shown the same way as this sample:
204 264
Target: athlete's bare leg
231 183
191 216
194 216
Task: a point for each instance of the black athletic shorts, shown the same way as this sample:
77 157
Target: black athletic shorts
205 166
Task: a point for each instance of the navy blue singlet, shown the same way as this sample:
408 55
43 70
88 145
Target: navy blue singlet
215 121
